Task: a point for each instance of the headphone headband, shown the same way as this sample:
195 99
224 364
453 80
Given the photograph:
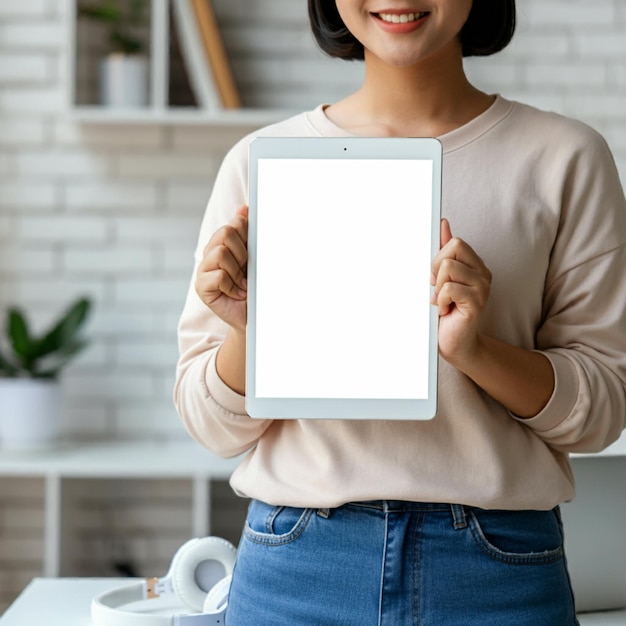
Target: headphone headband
181 581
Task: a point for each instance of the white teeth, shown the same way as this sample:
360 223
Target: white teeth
400 19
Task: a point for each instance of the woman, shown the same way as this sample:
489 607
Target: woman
453 521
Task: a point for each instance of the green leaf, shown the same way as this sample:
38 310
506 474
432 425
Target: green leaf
123 20
106 13
125 43
62 358
18 334
63 333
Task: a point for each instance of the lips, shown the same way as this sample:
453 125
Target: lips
399 21
401 18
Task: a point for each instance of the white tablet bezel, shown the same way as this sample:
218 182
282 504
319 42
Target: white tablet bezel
340 148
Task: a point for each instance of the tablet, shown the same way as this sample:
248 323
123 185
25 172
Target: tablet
342 233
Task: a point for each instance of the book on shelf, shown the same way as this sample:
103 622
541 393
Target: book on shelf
204 55
215 51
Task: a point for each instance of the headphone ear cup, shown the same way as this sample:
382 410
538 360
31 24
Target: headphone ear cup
217 599
188 575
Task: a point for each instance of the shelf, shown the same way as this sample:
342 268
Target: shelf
61 466
167 105
184 116
115 460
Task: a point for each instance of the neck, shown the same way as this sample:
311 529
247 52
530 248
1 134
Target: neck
427 99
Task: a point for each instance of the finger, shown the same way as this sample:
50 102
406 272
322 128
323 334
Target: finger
454 271
458 250
210 286
231 237
445 232
460 297
240 223
455 274
221 257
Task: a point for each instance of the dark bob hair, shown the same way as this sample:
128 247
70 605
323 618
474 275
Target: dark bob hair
489 29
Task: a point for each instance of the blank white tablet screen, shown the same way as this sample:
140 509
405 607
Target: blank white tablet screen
343 278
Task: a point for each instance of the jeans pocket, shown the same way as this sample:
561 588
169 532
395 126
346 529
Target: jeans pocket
518 537
275 525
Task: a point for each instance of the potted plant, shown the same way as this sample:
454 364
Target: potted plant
30 366
124 71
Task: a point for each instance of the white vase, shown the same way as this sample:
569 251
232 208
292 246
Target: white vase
124 81
30 413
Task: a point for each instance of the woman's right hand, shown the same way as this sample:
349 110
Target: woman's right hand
221 276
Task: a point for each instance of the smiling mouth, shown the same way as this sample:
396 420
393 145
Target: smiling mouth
400 18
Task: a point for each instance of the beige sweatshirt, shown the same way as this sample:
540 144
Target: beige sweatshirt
538 197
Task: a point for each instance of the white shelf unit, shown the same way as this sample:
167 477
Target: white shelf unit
120 461
84 109
234 118
159 61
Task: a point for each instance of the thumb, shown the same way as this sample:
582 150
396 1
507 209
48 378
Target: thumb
445 232
243 211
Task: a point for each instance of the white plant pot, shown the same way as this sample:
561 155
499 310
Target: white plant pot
124 81
30 413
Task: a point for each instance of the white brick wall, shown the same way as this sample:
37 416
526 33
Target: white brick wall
113 212
21 535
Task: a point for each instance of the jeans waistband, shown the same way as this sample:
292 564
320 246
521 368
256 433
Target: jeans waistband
402 506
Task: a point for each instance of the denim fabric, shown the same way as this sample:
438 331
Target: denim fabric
389 563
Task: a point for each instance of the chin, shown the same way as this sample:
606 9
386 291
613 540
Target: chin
401 61
402 58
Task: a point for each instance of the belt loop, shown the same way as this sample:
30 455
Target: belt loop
458 515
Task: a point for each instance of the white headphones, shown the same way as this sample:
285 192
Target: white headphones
199 577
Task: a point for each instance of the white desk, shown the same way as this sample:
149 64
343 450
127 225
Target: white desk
67 601
186 460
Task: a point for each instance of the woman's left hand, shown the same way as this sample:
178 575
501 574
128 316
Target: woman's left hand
462 283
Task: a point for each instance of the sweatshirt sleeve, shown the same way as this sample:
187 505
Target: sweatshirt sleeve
213 414
583 332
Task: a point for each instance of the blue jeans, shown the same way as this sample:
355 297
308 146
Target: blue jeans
388 563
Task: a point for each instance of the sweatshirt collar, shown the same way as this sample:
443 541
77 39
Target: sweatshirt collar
451 141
